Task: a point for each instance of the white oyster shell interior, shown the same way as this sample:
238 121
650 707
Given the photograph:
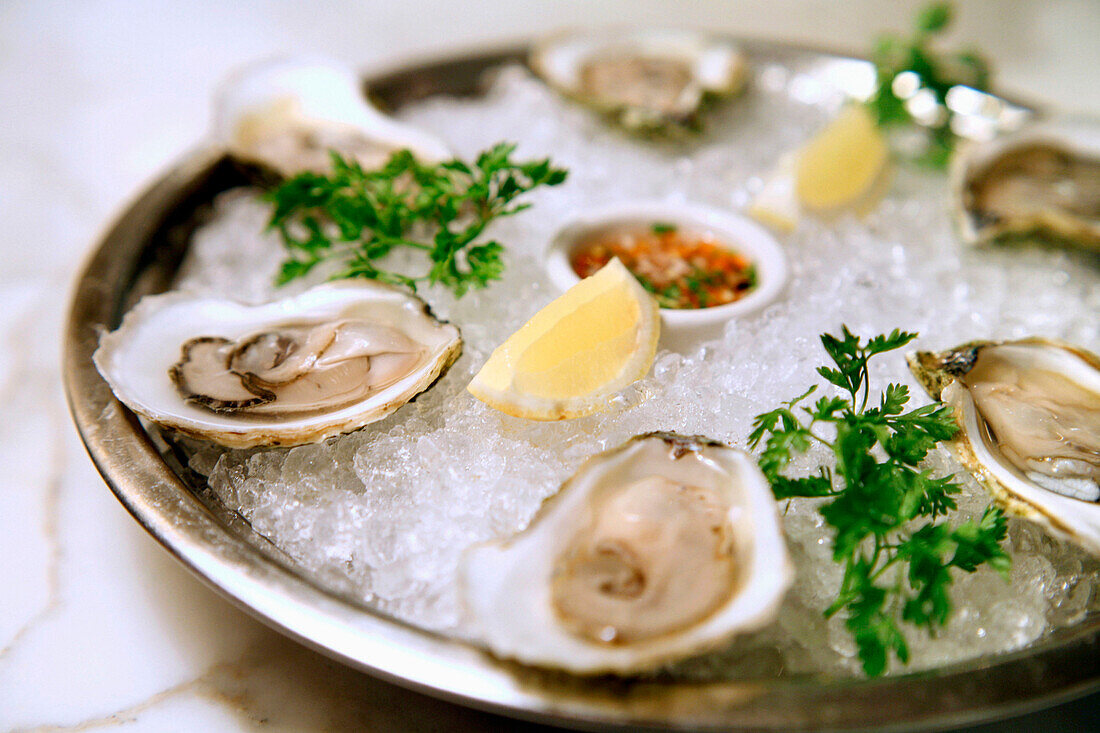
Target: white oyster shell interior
1043 178
287 115
665 72
298 370
1030 418
655 551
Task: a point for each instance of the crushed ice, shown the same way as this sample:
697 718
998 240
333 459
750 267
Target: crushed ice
385 513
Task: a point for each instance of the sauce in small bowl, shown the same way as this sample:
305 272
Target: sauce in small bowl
703 265
682 270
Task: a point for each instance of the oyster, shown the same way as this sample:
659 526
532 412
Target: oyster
1029 413
327 361
657 550
647 80
1043 178
286 115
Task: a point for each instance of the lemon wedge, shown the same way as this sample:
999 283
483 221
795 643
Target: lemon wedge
843 163
844 167
776 205
593 340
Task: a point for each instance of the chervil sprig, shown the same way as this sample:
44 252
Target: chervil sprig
357 217
933 73
897 570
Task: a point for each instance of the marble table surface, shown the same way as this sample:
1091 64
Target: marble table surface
99 627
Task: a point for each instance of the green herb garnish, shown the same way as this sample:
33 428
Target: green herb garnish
697 283
750 276
667 296
663 228
357 217
927 71
894 571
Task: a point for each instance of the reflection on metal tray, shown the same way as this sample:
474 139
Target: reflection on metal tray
139 254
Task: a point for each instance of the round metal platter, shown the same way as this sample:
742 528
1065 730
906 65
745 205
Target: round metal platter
139 254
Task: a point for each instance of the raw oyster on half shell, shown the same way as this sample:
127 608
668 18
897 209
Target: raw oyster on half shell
327 361
647 80
663 548
1043 178
286 115
1029 418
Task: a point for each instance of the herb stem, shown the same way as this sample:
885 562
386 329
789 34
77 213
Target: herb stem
865 386
356 217
873 501
818 438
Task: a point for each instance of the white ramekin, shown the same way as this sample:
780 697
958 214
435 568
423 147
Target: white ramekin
681 330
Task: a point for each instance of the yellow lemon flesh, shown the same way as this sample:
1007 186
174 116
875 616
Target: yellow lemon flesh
596 338
845 166
843 163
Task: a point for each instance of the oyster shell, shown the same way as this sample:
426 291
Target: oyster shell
1029 413
662 548
1043 178
645 79
286 115
294 371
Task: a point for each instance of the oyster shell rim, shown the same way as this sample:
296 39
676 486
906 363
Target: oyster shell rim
275 432
937 371
774 572
634 118
254 88
973 157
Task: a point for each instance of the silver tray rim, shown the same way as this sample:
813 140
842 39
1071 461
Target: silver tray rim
222 551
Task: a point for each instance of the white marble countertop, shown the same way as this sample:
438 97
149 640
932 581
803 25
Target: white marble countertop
99 627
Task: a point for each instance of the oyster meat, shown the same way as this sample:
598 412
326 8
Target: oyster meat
663 548
327 361
286 115
1029 413
645 79
1043 178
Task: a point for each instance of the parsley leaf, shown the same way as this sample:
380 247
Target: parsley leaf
357 217
897 570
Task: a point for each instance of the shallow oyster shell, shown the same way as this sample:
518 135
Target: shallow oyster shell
287 114
513 589
1063 512
139 358
647 80
1041 179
